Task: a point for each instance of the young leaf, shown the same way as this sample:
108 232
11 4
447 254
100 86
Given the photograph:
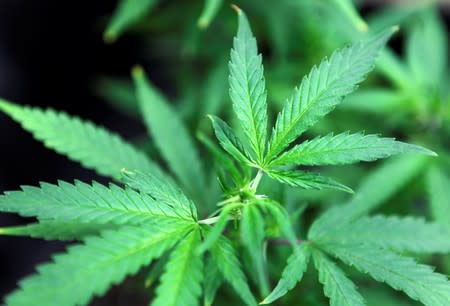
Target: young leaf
213 280
181 282
418 281
126 13
324 88
162 189
247 86
97 264
292 274
404 234
345 148
438 185
306 180
373 191
229 141
170 136
225 259
337 287
94 147
89 204
57 230
210 9
253 233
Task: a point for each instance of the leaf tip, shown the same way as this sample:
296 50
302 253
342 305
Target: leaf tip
395 28
236 8
203 23
109 37
362 26
137 71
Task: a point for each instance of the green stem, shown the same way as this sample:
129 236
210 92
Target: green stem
257 180
209 221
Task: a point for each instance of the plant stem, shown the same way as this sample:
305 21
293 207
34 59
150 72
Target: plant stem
257 179
209 220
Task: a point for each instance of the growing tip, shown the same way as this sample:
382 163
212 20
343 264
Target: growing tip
203 23
236 8
109 37
395 28
263 302
362 26
137 71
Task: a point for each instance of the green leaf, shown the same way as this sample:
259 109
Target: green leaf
94 147
126 14
119 93
57 230
345 148
170 136
225 259
373 191
323 88
418 281
426 50
438 187
213 280
229 141
210 9
162 189
253 233
215 232
306 180
181 282
89 204
215 89
247 87
406 234
337 287
96 265
348 9
292 274
395 70
380 101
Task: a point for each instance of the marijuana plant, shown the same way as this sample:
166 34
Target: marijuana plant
125 227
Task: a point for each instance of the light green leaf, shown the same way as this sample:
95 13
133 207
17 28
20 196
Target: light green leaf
406 234
119 93
215 89
247 87
373 191
57 230
438 186
418 281
306 180
344 149
253 233
229 141
210 9
126 14
225 259
395 70
89 204
213 280
162 189
337 287
96 265
323 88
94 147
380 101
181 283
170 136
292 274
426 50
349 10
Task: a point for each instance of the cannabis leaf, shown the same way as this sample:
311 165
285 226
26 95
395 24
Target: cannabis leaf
181 282
170 136
115 253
247 87
94 147
345 148
125 15
210 9
322 89
439 193
401 273
336 286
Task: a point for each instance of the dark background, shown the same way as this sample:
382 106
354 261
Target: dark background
50 52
